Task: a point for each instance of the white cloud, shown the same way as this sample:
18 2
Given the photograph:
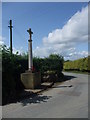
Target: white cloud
75 30
64 41
20 51
77 55
2 40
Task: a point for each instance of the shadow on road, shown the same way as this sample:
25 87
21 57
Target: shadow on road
30 98
35 100
65 78
68 77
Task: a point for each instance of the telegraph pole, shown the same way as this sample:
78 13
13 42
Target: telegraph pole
10 35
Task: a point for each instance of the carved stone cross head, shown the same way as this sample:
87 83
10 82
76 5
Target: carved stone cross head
30 33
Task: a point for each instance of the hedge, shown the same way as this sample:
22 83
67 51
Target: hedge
78 65
52 63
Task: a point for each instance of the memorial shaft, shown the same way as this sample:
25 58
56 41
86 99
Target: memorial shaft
30 61
30 57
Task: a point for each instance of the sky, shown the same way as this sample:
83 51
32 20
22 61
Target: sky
59 27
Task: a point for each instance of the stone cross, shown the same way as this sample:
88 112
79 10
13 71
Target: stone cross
30 61
30 33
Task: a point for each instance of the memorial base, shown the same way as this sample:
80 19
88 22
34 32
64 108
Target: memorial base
31 80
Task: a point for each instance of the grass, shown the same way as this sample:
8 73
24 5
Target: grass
78 72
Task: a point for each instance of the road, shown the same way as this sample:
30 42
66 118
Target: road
67 100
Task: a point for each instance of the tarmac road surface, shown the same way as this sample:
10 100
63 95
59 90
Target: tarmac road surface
67 100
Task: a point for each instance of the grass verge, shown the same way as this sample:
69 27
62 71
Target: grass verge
78 72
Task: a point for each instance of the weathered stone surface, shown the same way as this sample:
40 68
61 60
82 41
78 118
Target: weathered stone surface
49 77
31 80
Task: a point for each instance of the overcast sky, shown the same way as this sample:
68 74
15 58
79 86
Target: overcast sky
60 28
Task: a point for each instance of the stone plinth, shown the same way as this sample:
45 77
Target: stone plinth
31 80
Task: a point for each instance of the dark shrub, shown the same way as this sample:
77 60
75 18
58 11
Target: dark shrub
12 66
53 63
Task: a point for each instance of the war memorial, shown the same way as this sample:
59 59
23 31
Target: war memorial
30 78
